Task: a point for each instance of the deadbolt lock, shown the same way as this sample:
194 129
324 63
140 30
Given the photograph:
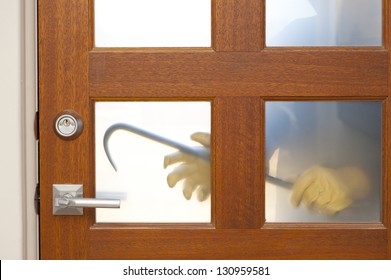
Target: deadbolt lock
68 125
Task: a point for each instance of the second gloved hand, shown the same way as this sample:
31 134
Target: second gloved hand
328 190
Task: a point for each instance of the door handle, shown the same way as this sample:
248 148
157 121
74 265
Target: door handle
68 200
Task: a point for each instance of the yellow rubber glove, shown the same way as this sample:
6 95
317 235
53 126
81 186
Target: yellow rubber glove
193 170
329 190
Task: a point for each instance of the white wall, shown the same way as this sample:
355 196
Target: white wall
17 164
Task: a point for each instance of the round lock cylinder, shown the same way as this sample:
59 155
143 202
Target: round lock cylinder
68 125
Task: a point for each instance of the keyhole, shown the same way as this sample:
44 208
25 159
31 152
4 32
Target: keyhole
66 122
68 125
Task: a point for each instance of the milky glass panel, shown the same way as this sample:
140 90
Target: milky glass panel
323 161
146 142
152 23
323 22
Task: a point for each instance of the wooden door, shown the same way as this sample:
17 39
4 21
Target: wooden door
238 75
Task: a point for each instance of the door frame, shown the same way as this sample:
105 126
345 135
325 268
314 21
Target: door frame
29 21
30 157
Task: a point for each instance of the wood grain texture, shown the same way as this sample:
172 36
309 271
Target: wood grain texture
387 168
387 127
237 75
272 73
239 244
239 190
63 84
238 25
386 24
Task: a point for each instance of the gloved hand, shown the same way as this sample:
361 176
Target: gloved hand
329 190
194 170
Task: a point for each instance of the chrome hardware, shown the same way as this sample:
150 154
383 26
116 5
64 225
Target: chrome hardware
68 200
68 125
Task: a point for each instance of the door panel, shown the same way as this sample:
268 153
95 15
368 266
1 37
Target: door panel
237 76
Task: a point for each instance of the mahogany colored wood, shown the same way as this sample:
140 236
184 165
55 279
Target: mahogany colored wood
63 84
271 73
386 180
387 127
238 25
237 75
312 243
238 182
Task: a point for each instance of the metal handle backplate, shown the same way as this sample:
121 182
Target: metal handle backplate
68 200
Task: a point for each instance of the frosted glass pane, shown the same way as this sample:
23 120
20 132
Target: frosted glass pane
323 22
153 23
323 161
144 162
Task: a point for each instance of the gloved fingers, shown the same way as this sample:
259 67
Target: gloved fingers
324 188
337 205
332 196
338 197
325 192
300 187
203 192
322 202
181 172
309 196
177 157
202 138
189 186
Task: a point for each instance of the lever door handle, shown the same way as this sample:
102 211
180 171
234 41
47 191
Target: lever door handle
68 200
88 202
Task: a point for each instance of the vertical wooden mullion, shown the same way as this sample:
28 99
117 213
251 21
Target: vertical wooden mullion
238 25
238 163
